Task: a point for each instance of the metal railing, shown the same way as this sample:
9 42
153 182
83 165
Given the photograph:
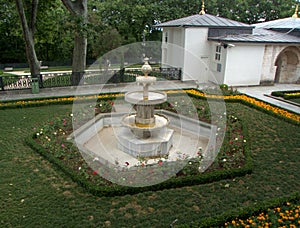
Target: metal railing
112 76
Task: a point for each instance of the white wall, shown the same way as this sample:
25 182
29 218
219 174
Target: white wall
215 76
196 55
172 51
244 65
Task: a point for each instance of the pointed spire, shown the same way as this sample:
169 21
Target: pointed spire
202 12
296 12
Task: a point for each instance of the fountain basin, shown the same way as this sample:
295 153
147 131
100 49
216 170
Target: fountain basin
100 138
157 145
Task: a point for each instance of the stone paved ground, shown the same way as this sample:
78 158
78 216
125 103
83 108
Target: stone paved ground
263 93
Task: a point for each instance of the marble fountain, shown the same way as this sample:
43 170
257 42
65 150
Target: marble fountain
143 137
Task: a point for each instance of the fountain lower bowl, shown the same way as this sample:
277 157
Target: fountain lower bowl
145 130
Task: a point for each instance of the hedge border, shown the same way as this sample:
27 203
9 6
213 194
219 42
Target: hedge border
35 102
45 101
236 99
175 182
283 94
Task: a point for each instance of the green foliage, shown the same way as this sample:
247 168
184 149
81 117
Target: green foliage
116 22
291 94
11 40
252 11
51 142
247 212
54 35
35 192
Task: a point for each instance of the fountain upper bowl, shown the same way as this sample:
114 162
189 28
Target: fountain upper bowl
154 97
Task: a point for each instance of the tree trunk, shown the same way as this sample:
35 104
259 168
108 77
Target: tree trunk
28 35
79 53
79 9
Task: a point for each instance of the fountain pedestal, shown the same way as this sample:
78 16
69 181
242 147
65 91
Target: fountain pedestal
157 145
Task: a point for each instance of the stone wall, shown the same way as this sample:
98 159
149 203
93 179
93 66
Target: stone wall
268 65
281 64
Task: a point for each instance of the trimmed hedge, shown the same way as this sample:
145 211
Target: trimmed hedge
63 100
176 182
284 95
235 99
35 102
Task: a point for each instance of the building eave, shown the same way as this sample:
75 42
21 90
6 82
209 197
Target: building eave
203 26
250 41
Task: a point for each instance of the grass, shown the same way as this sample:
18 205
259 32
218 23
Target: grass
51 141
35 193
295 100
5 74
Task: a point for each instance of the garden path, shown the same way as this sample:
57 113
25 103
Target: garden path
260 92
264 92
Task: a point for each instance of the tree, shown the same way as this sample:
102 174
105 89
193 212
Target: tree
28 28
11 39
54 32
78 8
252 11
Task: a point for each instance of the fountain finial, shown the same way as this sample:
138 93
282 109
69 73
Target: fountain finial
146 68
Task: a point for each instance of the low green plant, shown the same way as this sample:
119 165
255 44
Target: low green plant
52 142
35 191
288 95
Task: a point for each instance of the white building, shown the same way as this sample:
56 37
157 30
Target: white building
213 49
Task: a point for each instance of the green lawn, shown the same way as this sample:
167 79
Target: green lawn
34 193
296 100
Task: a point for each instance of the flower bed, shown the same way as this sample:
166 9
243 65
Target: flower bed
286 215
279 212
292 94
245 99
252 102
51 141
289 96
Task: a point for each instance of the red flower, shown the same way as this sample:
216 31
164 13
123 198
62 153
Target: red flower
126 163
62 145
95 172
160 163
